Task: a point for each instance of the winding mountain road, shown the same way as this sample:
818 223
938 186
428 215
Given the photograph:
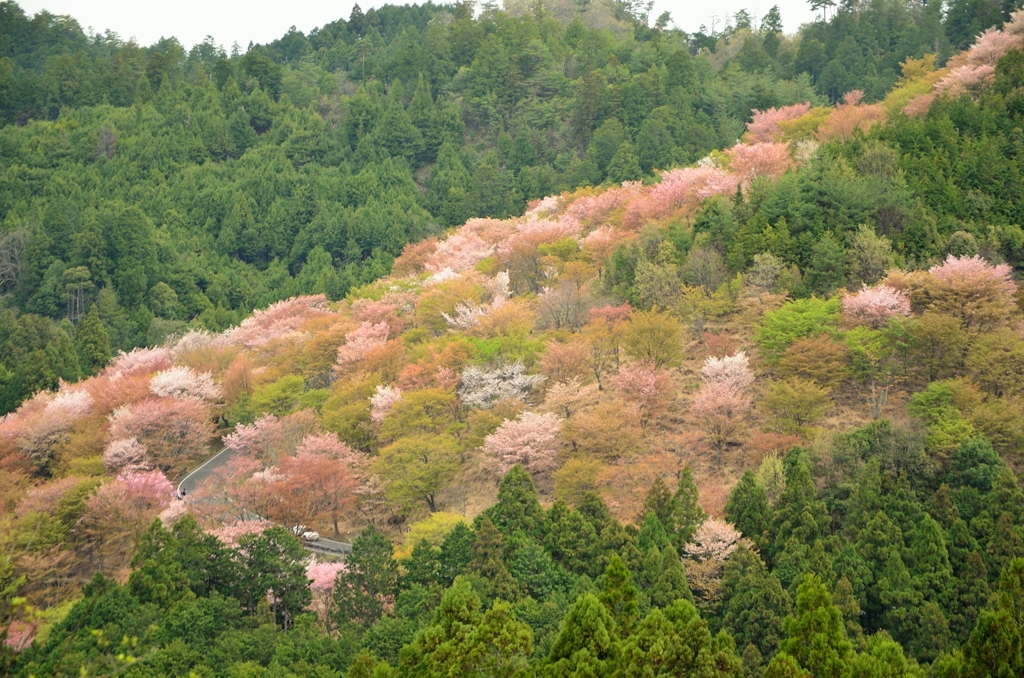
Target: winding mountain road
220 459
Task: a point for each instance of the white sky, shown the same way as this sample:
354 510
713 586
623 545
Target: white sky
262 21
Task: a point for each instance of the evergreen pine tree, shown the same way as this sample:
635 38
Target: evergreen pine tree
619 595
660 502
815 634
518 507
748 509
92 342
687 515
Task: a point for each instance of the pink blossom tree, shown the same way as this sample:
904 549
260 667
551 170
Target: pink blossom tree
256 439
230 533
382 401
44 422
765 159
647 387
714 540
173 513
873 306
849 116
277 320
460 252
359 341
126 454
146 489
173 430
139 361
321 577
764 125
530 440
182 382
971 289
718 410
733 371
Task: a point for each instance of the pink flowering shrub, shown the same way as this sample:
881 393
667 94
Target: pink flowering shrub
647 387
765 159
359 341
874 306
764 125
460 252
277 320
530 440
182 382
733 371
382 401
126 454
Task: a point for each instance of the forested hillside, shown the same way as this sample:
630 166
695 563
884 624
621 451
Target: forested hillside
757 416
170 186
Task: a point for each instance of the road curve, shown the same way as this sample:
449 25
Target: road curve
189 483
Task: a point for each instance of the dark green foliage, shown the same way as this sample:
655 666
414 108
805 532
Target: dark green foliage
754 603
518 507
687 515
748 509
370 576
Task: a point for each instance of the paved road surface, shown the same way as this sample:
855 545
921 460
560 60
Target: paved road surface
220 459
189 483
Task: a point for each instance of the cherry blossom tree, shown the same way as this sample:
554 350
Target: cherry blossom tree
126 454
460 252
43 423
360 341
849 116
647 387
173 513
138 361
230 533
327 445
733 371
382 401
173 430
569 397
482 388
182 382
718 410
321 584
530 440
277 320
567 360
467 315
309 488
765 159
146 489
971 289
714 540
873 306
256 439
764 125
